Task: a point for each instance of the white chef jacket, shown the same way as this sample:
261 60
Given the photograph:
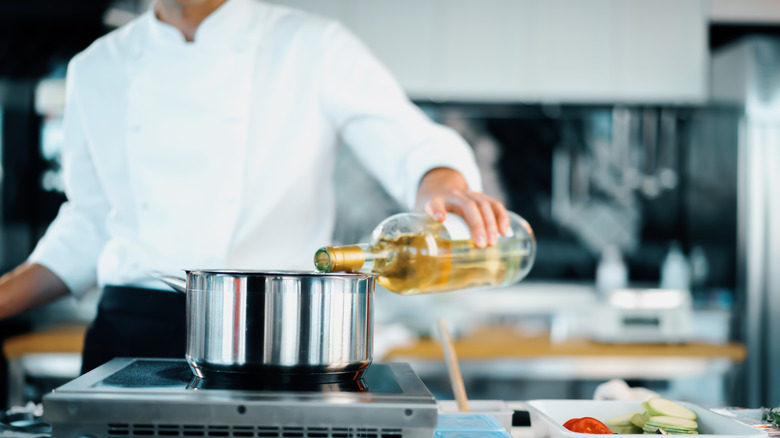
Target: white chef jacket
219 153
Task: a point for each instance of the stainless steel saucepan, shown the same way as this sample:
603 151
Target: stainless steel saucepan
306 326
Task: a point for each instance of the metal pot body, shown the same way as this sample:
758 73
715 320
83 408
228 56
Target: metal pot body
277 325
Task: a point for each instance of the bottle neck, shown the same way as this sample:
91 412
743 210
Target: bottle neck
348 258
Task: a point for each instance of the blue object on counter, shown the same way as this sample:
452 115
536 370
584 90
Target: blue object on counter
471 434
464 425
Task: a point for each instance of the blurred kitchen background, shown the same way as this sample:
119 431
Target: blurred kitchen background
640 139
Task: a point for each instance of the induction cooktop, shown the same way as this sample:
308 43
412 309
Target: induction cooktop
144 397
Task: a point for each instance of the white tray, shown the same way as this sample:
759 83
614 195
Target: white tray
548 416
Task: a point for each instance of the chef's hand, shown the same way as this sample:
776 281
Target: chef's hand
442 190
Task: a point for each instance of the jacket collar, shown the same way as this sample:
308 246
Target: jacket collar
229 23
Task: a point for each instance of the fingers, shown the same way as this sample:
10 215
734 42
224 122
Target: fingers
485 216
473 216
502 218
436 208
489 219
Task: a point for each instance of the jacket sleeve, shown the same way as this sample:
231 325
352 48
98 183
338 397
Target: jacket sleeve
391 136
72 244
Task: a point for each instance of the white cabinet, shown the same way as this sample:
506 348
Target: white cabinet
637 51
571 50
405 37
663 50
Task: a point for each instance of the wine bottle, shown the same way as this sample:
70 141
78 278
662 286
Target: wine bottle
413 254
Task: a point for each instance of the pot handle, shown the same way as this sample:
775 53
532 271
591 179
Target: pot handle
177 283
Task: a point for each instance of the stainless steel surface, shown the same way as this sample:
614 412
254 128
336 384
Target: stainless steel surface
760 249
91 406
178 284
310 325
749 70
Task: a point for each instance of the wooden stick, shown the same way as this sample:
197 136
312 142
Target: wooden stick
451 359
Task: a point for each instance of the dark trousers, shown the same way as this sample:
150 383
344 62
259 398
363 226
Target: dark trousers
136 322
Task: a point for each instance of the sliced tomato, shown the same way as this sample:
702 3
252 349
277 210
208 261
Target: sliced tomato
586 425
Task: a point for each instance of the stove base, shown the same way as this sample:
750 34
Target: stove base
154 398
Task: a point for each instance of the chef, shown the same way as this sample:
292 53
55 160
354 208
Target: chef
203 135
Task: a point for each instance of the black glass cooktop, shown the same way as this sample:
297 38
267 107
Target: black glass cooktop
175 375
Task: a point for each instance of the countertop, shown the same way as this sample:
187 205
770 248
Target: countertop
506 342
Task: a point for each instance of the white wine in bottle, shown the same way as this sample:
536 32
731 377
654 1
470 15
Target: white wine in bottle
413 254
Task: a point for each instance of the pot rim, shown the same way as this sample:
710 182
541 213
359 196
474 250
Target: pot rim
279 273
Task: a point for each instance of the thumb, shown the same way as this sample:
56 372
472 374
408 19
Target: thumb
436 209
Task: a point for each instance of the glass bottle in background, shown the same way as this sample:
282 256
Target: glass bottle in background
413 254
675 270
611 272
